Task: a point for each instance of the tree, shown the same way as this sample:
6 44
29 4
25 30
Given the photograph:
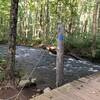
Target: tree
47 20
12 42
94 28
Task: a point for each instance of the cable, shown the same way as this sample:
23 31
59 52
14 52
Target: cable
34 68
17 95
30 74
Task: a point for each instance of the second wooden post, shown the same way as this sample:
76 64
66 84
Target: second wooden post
60 53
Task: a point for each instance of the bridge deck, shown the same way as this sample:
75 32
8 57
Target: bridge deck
87 88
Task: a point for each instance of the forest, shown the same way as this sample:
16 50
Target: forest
37 22
29 43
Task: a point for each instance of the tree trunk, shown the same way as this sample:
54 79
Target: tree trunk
85 26
99 19
12 42
41 21
94 29
60 59
47 21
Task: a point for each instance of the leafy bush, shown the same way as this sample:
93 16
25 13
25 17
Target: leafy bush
19 73
3 38
2 69
82 43
78 40
28 41
97 53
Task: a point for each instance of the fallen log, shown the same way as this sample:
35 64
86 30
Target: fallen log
53 50
74 56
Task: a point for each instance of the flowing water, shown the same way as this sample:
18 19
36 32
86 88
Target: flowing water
42 65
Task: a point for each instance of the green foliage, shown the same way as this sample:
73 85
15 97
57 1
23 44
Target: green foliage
4 20
97 54
28 41
3 38
2 69
19 73
2 61
33 20
79 40
32 16
82 42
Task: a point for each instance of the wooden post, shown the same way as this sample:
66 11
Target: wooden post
60 59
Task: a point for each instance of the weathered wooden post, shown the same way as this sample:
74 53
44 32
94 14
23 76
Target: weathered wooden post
60 59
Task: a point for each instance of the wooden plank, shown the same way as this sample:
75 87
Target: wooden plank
95 84
83 96
73 91
59 94
71 95
42 97
56 94
88 92
83 89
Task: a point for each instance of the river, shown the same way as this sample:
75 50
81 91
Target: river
42 64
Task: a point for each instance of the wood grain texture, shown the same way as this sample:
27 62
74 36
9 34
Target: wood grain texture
87 88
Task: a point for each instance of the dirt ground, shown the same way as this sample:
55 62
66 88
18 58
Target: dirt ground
10 93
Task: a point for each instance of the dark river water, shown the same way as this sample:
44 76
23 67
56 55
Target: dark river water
41 65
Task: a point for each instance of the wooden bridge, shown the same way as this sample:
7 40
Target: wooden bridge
87 88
